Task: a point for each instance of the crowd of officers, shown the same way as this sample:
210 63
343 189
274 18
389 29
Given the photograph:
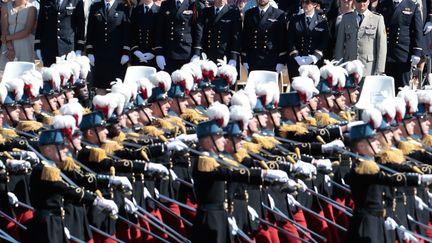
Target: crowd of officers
178 157
391 39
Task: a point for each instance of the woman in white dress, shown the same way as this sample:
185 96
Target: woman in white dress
18 20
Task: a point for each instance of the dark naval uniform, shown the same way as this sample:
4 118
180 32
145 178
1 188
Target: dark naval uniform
60 29
143 27
108 38
262 46
304 39
221 35
177 33
404 37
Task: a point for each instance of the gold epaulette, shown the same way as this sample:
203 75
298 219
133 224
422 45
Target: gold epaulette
391 156
97 155
427 140
347 115
367 167
111 146
120 138
8 134
47 119
207 164
29 126
193 116
265 141
68 165
164 124
178 122
56 113
311 121
86 110
50 173
297 129
154 132
132 136
409 146
241 155
251 147
325 119
2 139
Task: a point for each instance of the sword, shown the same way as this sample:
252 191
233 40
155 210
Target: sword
340 186
177 202
244 235
348 211
181 181
321 217
417 235
105 234
168 210
7 237
141 229
419 223
9 218
265 222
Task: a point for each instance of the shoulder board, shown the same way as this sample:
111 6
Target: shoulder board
297 129
427 140
50 173
376 13
111 146
97 154
68 165
207 164
367 167
29 126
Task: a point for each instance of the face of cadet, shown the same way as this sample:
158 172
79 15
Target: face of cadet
229 146
276 115
210 94
143 118
220 142
263 2
164 105
37 106
351 96
14 113
385 138
422 126
76 141
220 2
341 102
47 101
397 133
410 127
207 143
303 113
61 99
308 6
92 135
69 94
362 147
313 103
51 152
197 98
28 112
132 118
263 119
224 98
253 125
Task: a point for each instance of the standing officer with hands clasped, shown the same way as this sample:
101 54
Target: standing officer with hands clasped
108 41
60 29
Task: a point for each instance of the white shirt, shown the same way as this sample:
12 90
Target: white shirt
220 8
264 9
149 6
108 2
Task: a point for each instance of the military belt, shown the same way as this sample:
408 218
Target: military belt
374 212
212 206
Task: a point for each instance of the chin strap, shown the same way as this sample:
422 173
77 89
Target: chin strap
370 144
214 143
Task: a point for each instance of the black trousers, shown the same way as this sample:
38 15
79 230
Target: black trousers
401 72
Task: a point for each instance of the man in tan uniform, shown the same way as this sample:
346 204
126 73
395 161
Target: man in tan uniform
361 35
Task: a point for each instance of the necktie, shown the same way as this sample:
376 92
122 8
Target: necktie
261 13
146 9
361 17
308 21
217 11
178 3
107 7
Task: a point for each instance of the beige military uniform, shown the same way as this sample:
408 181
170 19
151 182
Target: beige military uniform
366 42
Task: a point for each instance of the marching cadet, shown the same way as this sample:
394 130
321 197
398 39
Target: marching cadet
226 78
108 41
263 34
60 29
403 23
213 217
361 35
143 28
178 33
48 192
308 37
221 32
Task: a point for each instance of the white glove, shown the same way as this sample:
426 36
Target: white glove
140 55
187 138
130 206
173 175
332 146
195 58
291 200
327 180
146 193
390 224
120 181
39 54
253 214
13 200
176 146
232 62
415 60
324 164
271 201
353 124
233 225
105 204
67 233
405 235
91 59
156 193
124 59
430 198
299 60
426 179
427 28
158 168
305 169
148 56
160 61
15 164
78 53
2 166
419 203
301 186
313 59
31 155
292 184
275 175
279 67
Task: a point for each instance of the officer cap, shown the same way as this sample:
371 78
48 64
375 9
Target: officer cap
290 99
92 120
162 83
51 81
182 83
361 131
51 137
388 112
411 101
305 88
226 77
425 102
66 124
218 115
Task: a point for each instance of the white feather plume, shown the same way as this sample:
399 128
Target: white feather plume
16 87
400 107
162 80
73 108
228 73
194 69
239 113
372 116
184 77
3 92
219 112
310 71
410 98
144 85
